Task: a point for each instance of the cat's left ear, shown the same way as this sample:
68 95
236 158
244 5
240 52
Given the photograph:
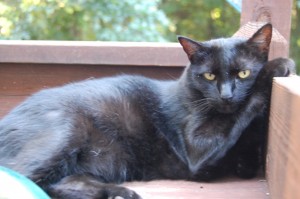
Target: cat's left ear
262 38
190 46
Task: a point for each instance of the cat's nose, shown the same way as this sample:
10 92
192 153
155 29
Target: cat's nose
226 92
227 97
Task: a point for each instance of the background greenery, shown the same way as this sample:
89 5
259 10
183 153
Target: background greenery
126 20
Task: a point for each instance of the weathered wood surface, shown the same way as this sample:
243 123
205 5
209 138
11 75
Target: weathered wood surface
84 52
278 12
29 66
283 159
17 81
223 189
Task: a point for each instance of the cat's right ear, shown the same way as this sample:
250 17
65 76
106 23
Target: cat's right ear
262 38
189 46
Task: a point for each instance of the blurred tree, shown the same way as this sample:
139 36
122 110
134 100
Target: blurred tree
126 20
295 34
114 20
201 20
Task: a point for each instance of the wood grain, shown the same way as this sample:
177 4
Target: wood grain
8 103
25 79
277 12
283 159
232 188
84 52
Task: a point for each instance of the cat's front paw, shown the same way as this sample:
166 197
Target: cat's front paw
280 67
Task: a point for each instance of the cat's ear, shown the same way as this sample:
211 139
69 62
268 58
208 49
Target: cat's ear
262 38
189 46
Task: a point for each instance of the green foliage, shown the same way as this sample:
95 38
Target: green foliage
114 20
201 20
295 35
126 20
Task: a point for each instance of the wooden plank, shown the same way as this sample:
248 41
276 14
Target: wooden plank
277 12
279 45
222 189
24 79
283 159
283 112
9 102
84 52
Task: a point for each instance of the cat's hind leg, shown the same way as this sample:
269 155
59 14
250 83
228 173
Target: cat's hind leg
88 187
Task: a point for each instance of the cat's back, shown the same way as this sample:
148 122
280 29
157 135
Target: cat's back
92 96
54 117
85 93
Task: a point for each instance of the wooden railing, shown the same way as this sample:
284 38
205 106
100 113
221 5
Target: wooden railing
29 66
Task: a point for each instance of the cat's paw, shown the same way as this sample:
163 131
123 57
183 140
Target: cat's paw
117 192
280 67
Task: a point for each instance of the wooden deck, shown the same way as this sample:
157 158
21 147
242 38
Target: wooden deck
232 188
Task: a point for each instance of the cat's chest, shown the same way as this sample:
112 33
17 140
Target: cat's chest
207 124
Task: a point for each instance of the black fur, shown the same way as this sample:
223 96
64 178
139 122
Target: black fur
76 141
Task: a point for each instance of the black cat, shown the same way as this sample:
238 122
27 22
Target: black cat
78 140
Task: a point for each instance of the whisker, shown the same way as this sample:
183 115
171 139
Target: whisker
203 105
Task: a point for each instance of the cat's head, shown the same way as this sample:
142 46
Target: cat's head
224 70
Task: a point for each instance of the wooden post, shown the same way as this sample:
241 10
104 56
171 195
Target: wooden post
283 161
255 13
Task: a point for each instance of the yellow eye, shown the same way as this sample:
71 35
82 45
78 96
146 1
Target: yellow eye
209 76
244 74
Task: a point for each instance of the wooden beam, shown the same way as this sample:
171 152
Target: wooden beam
84 52
25 79
283 173
20 80
283 159
278 12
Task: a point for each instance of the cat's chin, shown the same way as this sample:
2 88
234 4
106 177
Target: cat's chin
227 108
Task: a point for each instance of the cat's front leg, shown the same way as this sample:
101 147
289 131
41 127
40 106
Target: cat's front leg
251 145
259 100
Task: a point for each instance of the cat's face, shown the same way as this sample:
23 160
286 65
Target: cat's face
224 70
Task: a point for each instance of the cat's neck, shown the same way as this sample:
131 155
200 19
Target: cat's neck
177 111
181 106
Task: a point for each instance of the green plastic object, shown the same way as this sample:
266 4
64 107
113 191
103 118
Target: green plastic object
16 186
